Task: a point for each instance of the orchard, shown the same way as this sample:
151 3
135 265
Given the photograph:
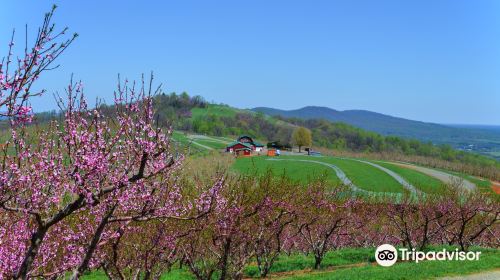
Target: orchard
106 190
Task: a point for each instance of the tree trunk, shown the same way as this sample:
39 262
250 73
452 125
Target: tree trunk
317 261
29 257
39 235
225 258
92 246
147 275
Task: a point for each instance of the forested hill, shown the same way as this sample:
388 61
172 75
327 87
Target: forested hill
477 139
383 124
193 114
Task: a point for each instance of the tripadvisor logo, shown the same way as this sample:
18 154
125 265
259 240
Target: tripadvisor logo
387 255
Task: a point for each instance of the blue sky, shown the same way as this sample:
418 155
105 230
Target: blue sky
436 61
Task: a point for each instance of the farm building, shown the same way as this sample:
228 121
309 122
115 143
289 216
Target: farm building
239 148
243 143
256 146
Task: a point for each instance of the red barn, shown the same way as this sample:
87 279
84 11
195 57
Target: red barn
256 146
244 145
239 148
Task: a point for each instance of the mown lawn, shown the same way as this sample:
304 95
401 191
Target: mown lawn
302 172
363 175
421 181
355 263
180 137
211 143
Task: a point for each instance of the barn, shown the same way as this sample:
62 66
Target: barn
244 145
255 146
239 148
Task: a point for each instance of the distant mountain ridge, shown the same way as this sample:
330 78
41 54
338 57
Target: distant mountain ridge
467 138
384 124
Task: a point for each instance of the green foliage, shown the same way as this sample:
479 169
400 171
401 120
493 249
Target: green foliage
302 137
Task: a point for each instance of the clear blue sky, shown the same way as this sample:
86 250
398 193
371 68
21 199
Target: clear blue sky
436 61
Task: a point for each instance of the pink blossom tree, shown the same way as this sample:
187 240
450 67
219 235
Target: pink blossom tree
473 218
98 168
19 73
414 220
327 224
223 242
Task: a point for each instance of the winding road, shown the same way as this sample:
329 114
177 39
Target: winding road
440 175
394 175
340 174
487 275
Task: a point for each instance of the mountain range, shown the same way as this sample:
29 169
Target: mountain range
482 139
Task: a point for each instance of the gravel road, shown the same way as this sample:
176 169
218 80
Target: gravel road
394 175
489 275
440 175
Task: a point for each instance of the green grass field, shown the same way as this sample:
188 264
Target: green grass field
355 263
421 181
490 260
363 175
180 137
297 171
366 176
214 109
211 143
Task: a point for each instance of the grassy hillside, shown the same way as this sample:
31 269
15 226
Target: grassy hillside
480 139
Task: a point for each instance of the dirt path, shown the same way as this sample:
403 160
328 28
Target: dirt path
440 175
488 275
201 145
195 137
394 175
309 271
